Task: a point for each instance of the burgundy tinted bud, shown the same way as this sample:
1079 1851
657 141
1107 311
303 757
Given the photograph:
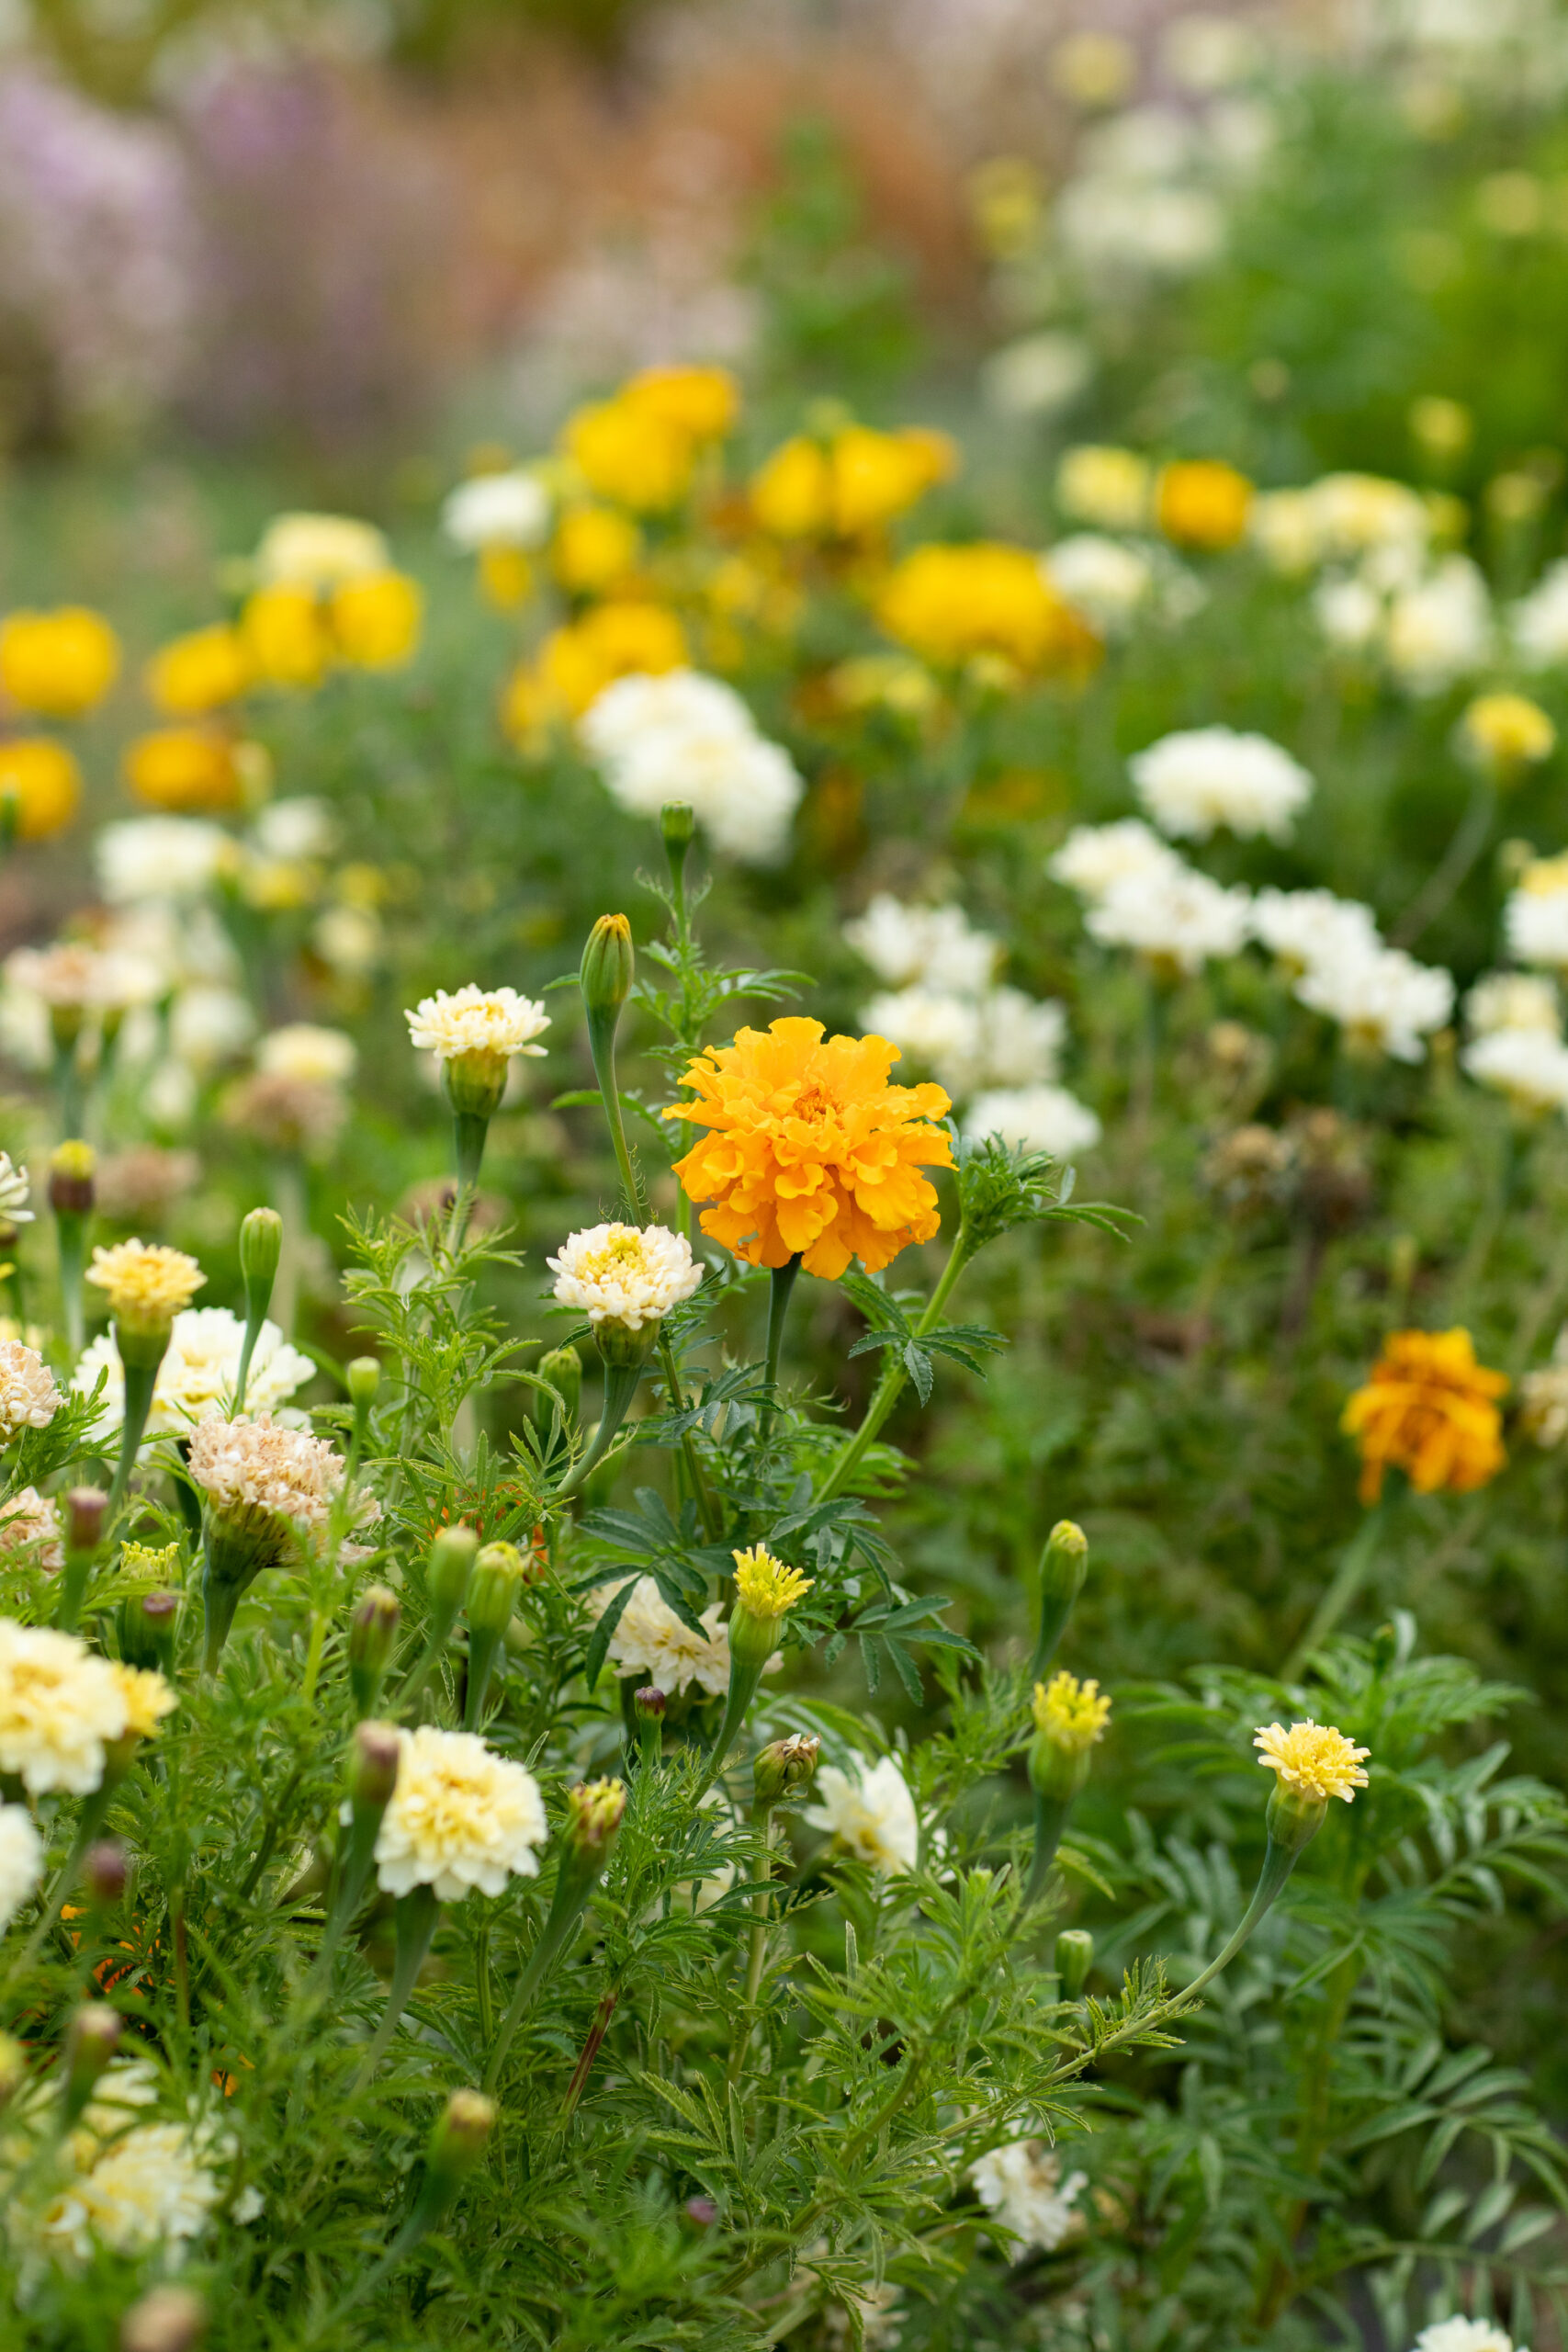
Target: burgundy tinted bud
701 2210
650 1704
86 1508
104 1873
373 1766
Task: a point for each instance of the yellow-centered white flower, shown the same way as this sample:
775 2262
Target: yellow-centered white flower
872 1815
477 1021
29 1397
60 1707
460 1817
624 1273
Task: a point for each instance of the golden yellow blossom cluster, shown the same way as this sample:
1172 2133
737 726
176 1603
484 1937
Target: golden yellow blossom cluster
1071 1715
148 1282
1313 1759
1429 1410
765 1586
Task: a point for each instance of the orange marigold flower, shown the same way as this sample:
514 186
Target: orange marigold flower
1428 1408
810 1151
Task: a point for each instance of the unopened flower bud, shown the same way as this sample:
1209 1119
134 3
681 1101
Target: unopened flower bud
261 1246
148 1629
1294 1817
784 1767
1075 1958
562 1368
678 823
372 1635
702 2210
168 2319
493 1591
650 1704
593 1813
90 2043
104 1873
86 1508
1064 1564
461 2133
364 1377
448 1568
374 1755
607 969
71 1169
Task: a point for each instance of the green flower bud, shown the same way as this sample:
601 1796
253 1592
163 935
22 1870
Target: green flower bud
593 1813
86 1508
562 1368
374 1755
372 1635
651 1705
104 1873
364 1378
70 1187
608 967
260 1247
448 1568
1075 1958
499 1574
785 1768
90 2043
1064 1564
678 823
460 2135
149 1630
168 2319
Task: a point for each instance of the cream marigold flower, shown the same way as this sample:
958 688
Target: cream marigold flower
60 1708
148 1699
477 1021
765 1586
29 1397
147 1283
1205 776
14 1188
251 1469
21 1861
197 1377
1464 2336
1022 2186
1313 1759
304 1051
811 1152
1071 1715
624 1273
872 1816
154 2184
460 1817
29 1519
651 1640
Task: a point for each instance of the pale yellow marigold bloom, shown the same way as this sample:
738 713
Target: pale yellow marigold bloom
61 1706
460 1816
1313 1759
147 1283
1506 733
148 1699
1071 1715
765 1586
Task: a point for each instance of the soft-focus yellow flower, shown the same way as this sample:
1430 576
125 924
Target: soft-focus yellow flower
791 492
1313 1759
954 603
640 448
1007 204
42 781
148 1699
191 771
850 486
318 551
1105 486
1071 1715
198 673
1506 733
765 1586
1428 1408
148 1282
701 401
1203 502
596 548
375 620
61 663
284 636
810 1150
507 577
575 664
61 1706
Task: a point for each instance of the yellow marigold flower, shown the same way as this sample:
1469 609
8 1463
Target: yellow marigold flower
375 620
148 1699
765 1585
198 673
626 453
1506 733
960 604
148 1282
1203 502
615 640
61 663
1071 1715
507 577
1313 1759
285 636
701 401
810 1150
791 492
189 770
1430 1409
850 486
1104 486
594 548
43 783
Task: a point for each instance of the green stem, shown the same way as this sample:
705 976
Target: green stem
417 1914
1349 1578
757 1954
1050 1820
885 1393
780 1291
620 1387
468 1133
141 1379
713 1523
71 1236
572 1890
1278 1864
743 1681
602 1028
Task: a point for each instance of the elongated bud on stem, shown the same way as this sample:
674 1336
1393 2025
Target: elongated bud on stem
562 1368
678 824
784 1769
91 2042
608 967
1064 1564
260 1248
84 1511
374 1755
104 1873
1075 1958
71 1196
148 1629
168 2319
372 1635
650 1707
363 1376
1070 1718
446 1574
372 1759
765 1592
492 1595
460 2135
71 1192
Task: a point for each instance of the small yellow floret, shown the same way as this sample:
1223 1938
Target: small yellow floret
148 1699
156 1564
1506 731
1071 1715
43 783
60 664
1313 1759
147 1283
764 1586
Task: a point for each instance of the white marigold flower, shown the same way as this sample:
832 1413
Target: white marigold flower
933 1029
162 858
1308 928
29 1397
1349 612
199 1374
307 1054
1022 2186
500 510
1034 1118
1386 1003
1355 514
460 1816
687 736
651 1640
303 550
904 944
1464 2336
872 1815
624 1273
1543 1397
679 703
14 1189
60 1707
1529 1066
477 1021
1094 857
208 1025
1020 1039
1513 1000
28 1520
1105 580
65 976
1538 624
1110 487
300 826
1204 776
21 1861
1174 915
153 2185
251 1470
1441 629
1535 918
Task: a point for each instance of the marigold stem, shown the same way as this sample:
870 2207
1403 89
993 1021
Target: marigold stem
885 1393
